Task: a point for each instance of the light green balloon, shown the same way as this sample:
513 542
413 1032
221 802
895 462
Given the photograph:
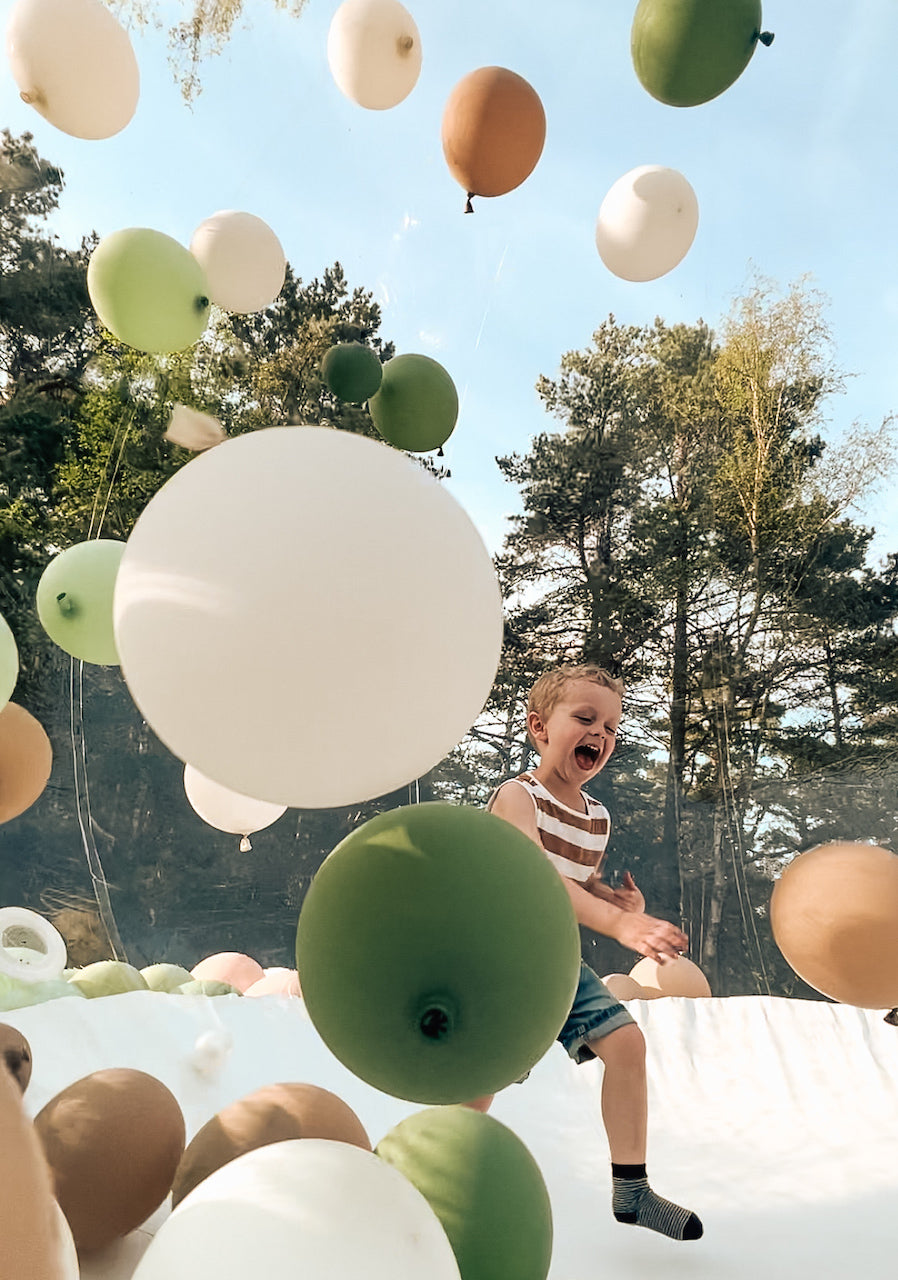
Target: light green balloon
108 978
74 600
207 987
165 977
148 290
16 994
9 662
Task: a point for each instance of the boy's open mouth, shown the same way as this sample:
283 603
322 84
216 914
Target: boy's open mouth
586 755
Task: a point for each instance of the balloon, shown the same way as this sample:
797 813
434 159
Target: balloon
113 1141
15 1055
165 977
352 372
277 982
678 977
833 913
623 987
30 1244
26 758
374 52
73 62
18 994
242 258
230 966
228 810
407 958
74 600
494 128
148 290
67 1253
647 223
689 51
417 405
308 1207
207 987
194 430
275 1113
9 662
40 949
246 585
108 978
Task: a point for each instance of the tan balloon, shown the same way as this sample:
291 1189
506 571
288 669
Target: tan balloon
834 914
678 977
30 1245
623 987
113 1141
15 1055
26 758
233 967
276 1113
494 129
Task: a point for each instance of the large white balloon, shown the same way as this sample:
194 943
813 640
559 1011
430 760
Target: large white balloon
307 617
242 258
228 810
73 62
306 1207
374 52
647 223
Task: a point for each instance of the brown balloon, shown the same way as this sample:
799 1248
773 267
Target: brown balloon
834 914
113 1141
26 758
494 128
276 1113
15 1055
29 1240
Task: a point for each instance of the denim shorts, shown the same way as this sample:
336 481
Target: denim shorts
595 1013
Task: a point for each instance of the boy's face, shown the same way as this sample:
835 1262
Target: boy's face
580 732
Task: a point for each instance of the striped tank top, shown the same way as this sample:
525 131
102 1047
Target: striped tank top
573 841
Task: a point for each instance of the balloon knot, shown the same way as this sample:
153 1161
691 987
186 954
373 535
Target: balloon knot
766 38
405 44
245 846
202 303
469 208
440 453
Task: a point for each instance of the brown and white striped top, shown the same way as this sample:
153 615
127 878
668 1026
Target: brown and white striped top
574 841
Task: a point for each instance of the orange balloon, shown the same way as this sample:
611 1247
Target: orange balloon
29 1241
494 128
678 977
233 967
26 758
834 915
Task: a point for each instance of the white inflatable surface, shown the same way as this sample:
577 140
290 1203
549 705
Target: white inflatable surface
775 1120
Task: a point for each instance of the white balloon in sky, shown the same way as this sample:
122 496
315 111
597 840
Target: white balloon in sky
374 52
73 62
243 260
647 223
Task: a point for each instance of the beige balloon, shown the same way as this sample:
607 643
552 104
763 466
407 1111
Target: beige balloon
623 987
678 977
194 430
242 257
73 62
374 52
647 223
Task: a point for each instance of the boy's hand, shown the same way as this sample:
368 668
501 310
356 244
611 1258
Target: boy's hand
628 897
657 939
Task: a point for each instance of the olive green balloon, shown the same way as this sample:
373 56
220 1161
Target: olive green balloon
688 51
438 953
74 600
9 662
483 1185
352 372
416 407
148 290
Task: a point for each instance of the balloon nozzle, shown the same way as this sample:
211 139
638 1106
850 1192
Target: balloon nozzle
469 208
67 606
766 38
436 1019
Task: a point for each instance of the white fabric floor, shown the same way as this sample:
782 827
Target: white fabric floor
776 1120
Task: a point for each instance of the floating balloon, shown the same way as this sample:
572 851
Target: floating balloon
398 931
374 52
233 967
309 1207
30 1241
416 407
228 810
352 372
194 430
688 51
623 987
74 600
494 128
242 258
833 913
647 223
73 62
113 1141
275 1113
9 662
148 290
277 982
238 623
40 952
108 978
15 1055
680 977
26 758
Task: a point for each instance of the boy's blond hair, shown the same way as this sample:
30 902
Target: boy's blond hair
549 689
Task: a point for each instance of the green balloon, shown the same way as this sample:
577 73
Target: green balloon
483 1185
9 662
352 372
165 977
417 405
438 953
16 994
74 600
206 987
108 978
148 290
688 51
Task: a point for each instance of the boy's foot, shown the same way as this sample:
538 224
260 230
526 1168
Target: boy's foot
634 1201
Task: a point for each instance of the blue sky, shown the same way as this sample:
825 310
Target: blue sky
794 168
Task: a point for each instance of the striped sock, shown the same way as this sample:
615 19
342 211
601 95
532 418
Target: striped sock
634 1201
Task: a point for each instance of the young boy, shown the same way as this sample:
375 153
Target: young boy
572 719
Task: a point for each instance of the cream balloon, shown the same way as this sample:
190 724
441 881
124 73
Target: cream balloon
679 977
374 52
73 62
309 1207
243 260
307 617
647 223
229 810
194 430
